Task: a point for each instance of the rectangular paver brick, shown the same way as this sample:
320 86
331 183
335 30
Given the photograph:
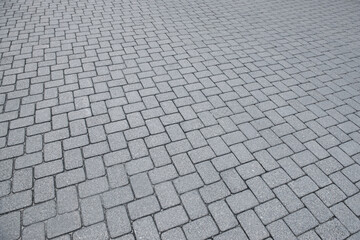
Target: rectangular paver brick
62 224
145 228
118 221
242 201
93 232
301 221
91 210
39 212
222 215
92 187
252 225
170 218
10 225
214 191
143 207
201 228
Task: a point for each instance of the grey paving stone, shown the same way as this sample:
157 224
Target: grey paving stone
218 146
139 165
92 187
233 181
242 201
316 149
201 228
70 177
252 225
332 229
170 218
34 144
48 168
141 185
233 138
288 198
352 172
5 188
276 178
62 224
270 211
222 215
160 156
304 158
330 195
175 98
162 174
44 189
194 205
80 141
67 199
280 151
93 232
73 159
354 236
303 186
96 134
346 217
317 175
117 176
256 144
175 233
116 157
214 191
196 139
352 203
309 235
266 160
117 196
6 168
175 132
341 156
145 228
249 170
143 207
39 212
201 154
279 230
183 164
344 183
22 180
317 208
225 162
188 182
167 195
118 221
138 148
207 172
154 125
10 225
96 149
158 140
329 165
301 221
27 160
35 231
260 189
241 153
232 234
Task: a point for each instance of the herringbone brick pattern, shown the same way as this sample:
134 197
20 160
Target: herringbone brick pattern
179 119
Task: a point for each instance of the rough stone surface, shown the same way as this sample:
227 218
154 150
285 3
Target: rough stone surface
179 119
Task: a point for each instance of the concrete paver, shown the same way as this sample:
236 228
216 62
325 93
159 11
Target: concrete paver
185 119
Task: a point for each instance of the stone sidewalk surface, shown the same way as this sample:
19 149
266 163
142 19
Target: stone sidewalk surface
179 119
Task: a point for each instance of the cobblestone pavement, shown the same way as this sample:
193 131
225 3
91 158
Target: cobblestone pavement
179 119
